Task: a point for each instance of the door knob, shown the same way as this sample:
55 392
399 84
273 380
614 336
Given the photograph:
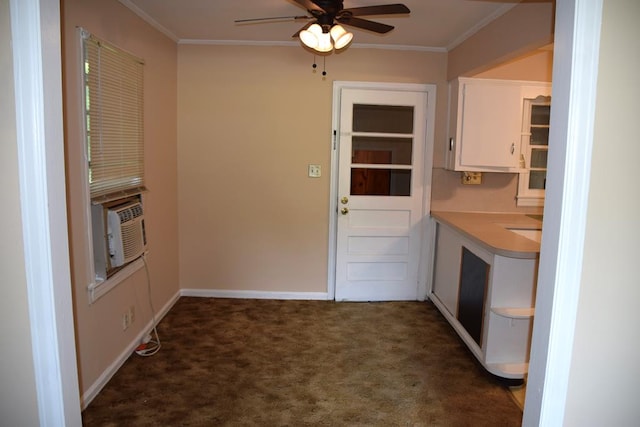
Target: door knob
344 211
344 200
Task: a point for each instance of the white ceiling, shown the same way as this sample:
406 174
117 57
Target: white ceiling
431 25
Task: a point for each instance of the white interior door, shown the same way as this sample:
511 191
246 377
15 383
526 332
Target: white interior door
382 135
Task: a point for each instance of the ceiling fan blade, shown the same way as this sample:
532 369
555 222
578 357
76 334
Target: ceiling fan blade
303 28
385 9
310 6
376 27
275 18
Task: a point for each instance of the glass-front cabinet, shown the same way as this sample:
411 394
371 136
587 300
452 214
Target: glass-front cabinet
534 151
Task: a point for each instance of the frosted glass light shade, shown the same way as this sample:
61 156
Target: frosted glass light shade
340 36
310 36
324 43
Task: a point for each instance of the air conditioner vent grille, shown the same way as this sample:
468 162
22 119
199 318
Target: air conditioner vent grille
130 213
127 240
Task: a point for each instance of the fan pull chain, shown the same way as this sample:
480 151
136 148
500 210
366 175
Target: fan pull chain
324 66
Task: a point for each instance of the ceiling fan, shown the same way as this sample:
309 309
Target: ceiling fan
324 31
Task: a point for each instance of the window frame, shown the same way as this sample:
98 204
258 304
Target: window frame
101 279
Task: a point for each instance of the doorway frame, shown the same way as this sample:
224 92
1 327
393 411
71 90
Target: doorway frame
574 86
535 411
37 55
426 249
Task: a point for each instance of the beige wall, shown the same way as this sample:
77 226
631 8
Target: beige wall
250 120
18 404
524 28
100 337
496 193
603 381
536 65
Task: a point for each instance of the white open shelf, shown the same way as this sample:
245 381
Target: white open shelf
508 370
514 312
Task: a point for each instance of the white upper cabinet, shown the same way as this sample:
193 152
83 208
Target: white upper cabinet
485 123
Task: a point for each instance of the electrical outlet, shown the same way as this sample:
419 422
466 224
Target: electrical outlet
472 178
128 317
315 171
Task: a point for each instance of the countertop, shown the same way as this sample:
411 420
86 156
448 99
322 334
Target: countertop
491 231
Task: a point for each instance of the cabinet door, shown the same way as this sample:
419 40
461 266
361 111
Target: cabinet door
447 268
490 125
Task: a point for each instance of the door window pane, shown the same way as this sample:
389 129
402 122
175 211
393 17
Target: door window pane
374 150
382 118
380 182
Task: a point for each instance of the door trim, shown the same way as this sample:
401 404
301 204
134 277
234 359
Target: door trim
424 268
37 59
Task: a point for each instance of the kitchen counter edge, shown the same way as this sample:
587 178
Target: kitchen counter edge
491 230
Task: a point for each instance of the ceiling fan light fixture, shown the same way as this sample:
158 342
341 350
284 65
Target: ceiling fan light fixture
311 36
341 37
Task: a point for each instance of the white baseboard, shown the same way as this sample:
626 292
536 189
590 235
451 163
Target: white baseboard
220 293
103 379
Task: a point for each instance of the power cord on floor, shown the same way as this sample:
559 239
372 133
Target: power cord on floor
149 346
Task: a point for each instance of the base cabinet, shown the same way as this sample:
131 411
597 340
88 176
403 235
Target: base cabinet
488 299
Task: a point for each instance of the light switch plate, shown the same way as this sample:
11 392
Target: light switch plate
315 171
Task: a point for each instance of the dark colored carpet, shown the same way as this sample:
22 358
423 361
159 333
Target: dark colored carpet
227 362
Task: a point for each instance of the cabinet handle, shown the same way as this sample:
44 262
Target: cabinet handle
513 148
450 144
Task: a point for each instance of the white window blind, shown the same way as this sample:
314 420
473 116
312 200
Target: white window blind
113 102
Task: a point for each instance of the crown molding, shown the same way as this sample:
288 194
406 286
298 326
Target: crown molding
297 44
149 20
480 25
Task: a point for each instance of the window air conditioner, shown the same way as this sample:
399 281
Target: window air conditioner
125 229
